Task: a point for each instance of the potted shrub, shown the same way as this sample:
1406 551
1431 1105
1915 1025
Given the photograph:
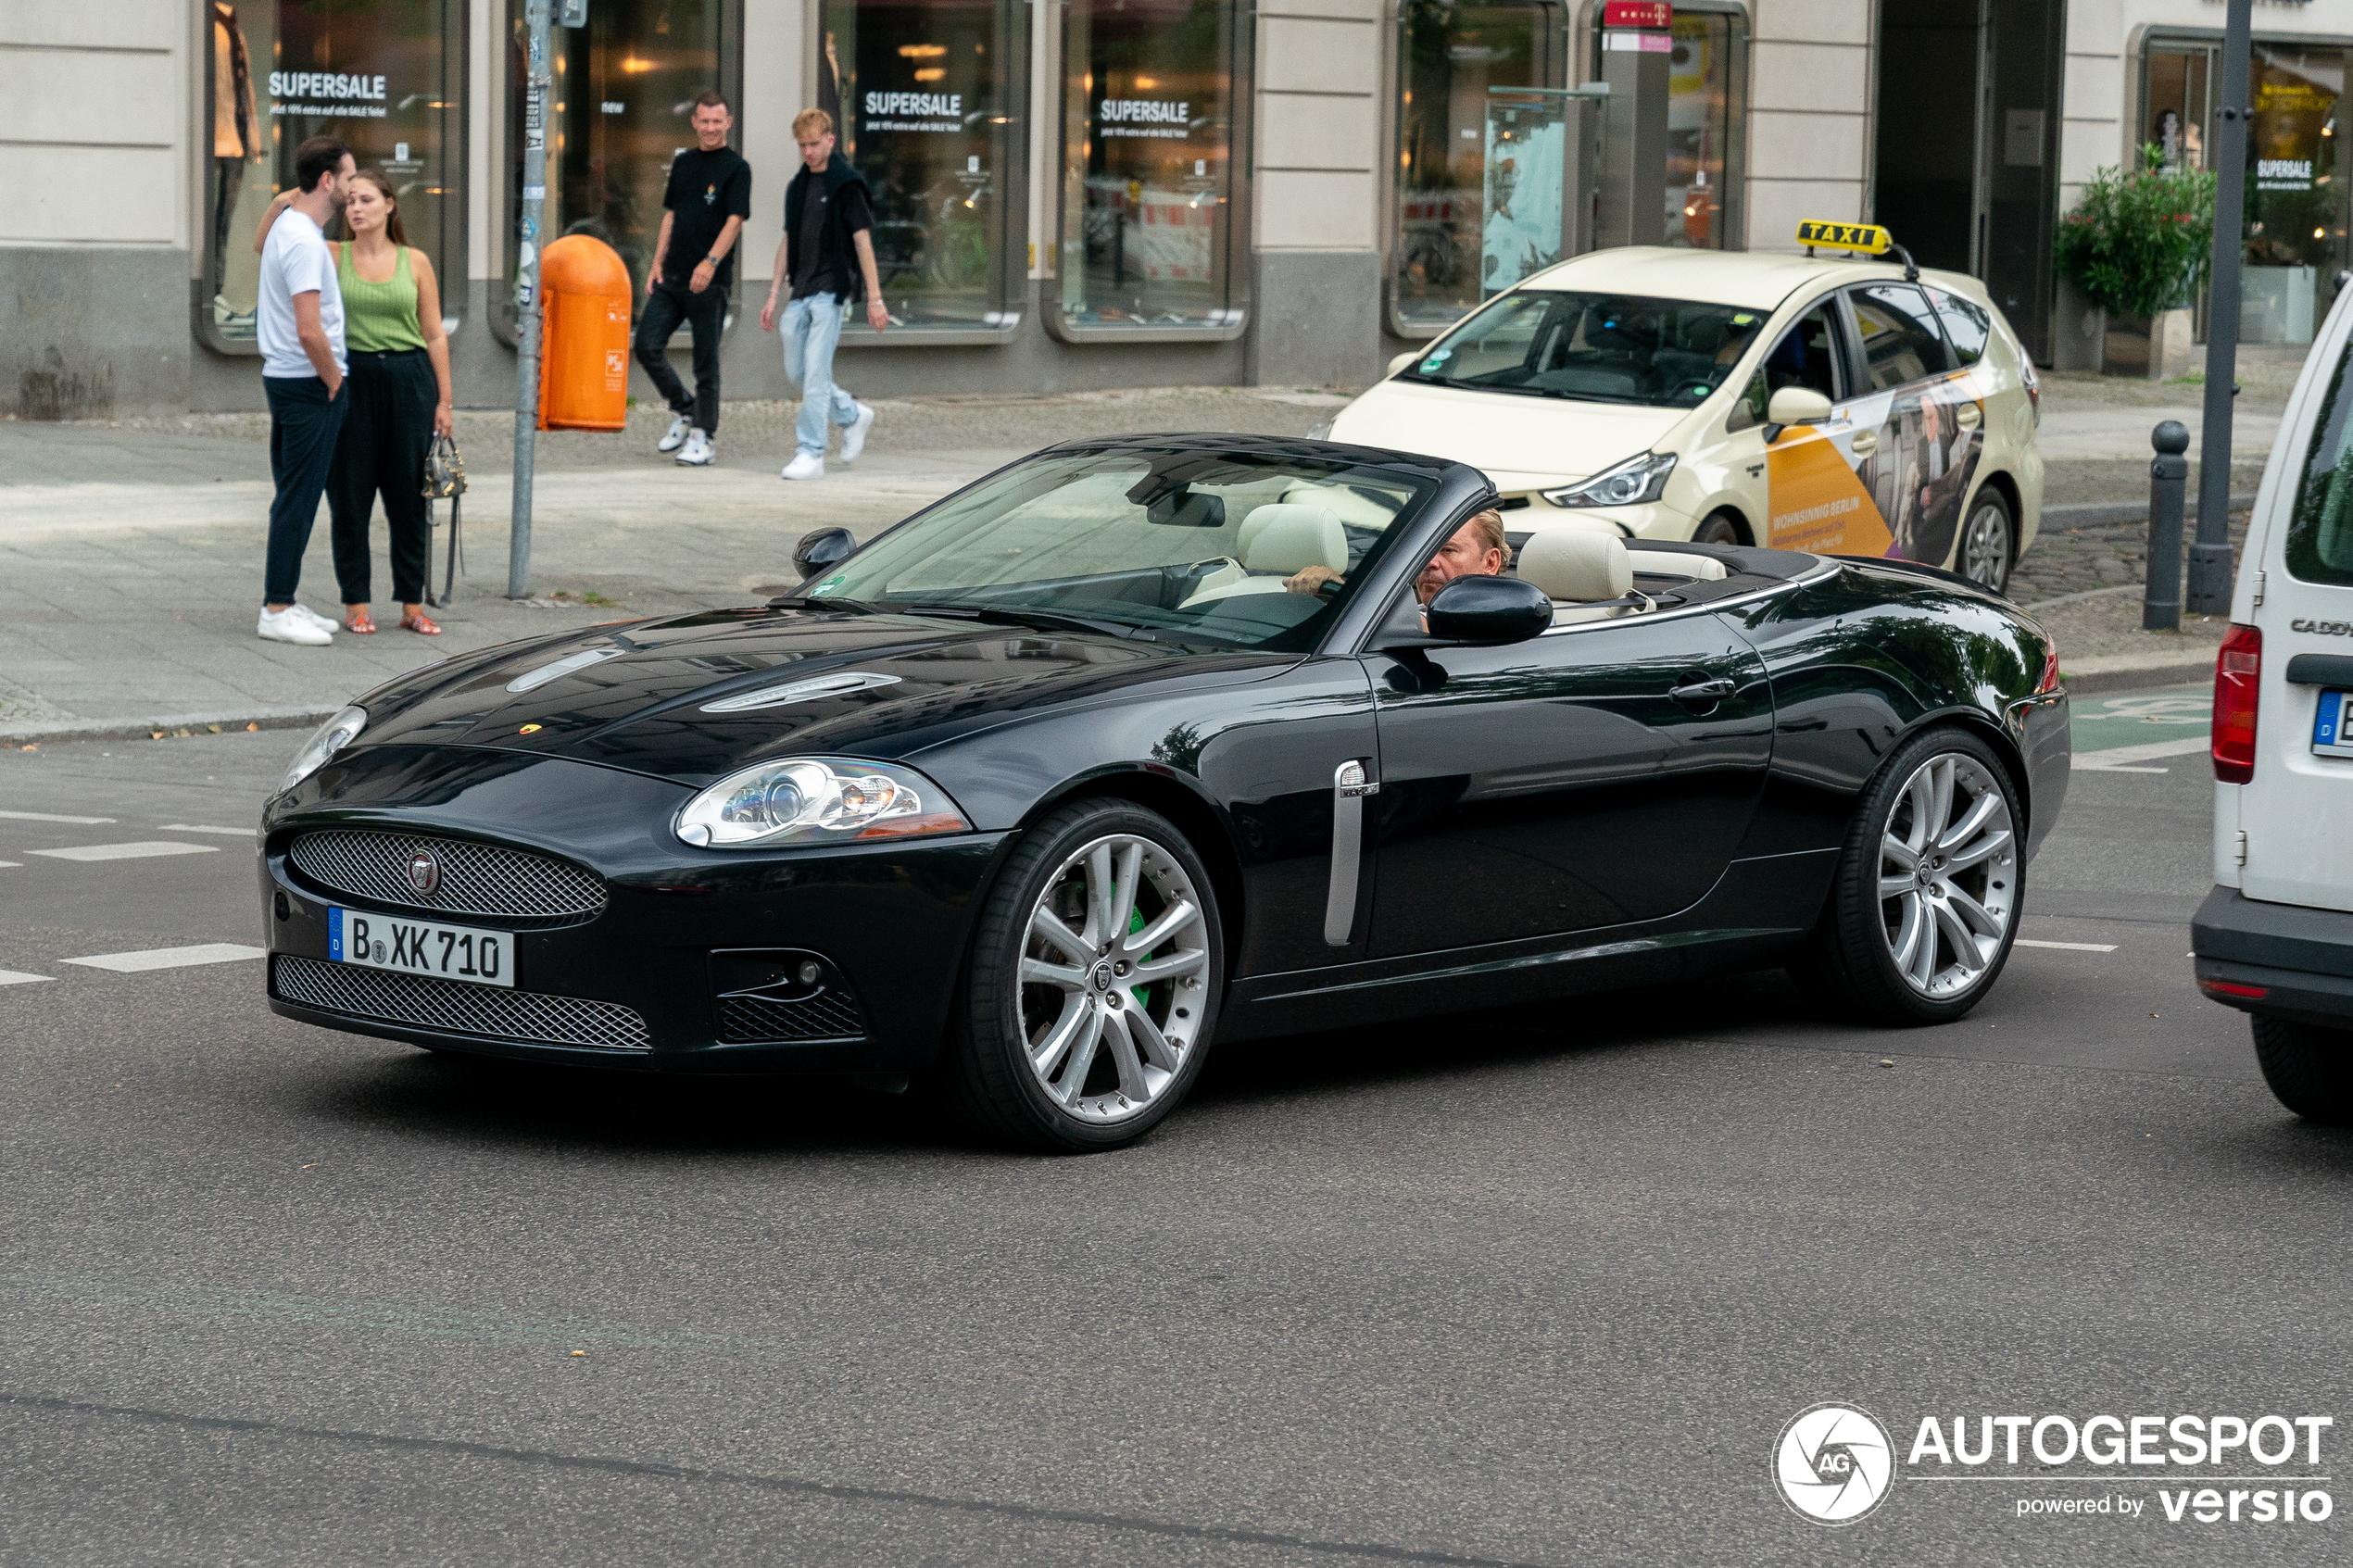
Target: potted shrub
2137 247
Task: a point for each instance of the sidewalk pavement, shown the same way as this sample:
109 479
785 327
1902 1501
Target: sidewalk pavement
130 551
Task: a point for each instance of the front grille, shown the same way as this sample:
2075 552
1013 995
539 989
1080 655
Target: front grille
476 879
529 1016
826 1015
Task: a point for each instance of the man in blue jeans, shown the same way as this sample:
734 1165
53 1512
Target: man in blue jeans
828 256
299 322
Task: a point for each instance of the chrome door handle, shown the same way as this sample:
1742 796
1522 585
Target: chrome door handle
1967 416
1866 443
1704 693
1350 783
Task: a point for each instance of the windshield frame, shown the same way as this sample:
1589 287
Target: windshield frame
1421 479
1518 297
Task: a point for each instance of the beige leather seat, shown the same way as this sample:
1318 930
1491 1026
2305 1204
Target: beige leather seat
1576 569
1275 540
1706 568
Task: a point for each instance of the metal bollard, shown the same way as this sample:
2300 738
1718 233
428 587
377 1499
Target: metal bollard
2168 476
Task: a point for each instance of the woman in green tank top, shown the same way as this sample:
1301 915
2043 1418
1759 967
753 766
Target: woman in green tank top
398 388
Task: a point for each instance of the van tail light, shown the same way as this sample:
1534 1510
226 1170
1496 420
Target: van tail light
2238 670
2232 988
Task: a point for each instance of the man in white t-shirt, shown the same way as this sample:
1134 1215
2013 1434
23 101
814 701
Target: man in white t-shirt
300 322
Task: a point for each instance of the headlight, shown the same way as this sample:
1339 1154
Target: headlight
817 800
332 737
1631 482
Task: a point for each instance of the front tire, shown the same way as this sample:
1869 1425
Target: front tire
1924 904
1090 995
1719 529
2309 1069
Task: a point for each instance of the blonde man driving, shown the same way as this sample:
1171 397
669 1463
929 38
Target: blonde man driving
1478 549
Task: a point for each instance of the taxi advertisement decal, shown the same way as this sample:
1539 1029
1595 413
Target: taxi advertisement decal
1902 496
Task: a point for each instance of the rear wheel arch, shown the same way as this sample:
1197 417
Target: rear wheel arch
1986 729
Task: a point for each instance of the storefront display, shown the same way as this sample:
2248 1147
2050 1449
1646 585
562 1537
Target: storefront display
1449 55
1704 117
377 73
622 94
1148 202
918 89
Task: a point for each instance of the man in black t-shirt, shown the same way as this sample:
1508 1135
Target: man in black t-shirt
827 255
703 211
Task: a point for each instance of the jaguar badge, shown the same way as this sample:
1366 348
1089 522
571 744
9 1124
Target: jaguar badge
424 873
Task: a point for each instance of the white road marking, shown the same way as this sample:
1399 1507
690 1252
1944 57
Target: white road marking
199 827
2114 759
169 958
130 851
18 977
46 817
11 863
2068 946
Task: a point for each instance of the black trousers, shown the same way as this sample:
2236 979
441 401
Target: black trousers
706 312
387 431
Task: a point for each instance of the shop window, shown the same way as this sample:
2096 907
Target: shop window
1704 115
621 103
1448 56
381 75
919 93
1148 227
2296 213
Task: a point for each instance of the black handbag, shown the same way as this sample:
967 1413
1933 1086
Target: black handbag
446 477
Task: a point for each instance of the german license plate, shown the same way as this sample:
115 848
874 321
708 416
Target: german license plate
422 946
2332 725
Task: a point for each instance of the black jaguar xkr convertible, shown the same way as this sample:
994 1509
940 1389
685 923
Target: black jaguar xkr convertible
1036 794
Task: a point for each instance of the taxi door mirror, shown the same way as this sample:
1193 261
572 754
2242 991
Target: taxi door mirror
1403 361
1797 406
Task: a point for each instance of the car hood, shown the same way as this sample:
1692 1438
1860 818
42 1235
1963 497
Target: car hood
634 695
1519 443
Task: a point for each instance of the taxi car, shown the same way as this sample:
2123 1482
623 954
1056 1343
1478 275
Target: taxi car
1846 404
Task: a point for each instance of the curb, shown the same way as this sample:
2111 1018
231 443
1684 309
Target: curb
141 729
2091 514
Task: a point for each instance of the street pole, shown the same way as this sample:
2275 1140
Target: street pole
2162 597
534 198
2210 557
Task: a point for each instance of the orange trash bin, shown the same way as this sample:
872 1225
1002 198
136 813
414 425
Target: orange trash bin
583 335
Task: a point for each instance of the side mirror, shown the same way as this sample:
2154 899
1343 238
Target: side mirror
1489 610
822 549
1403 361
1797 406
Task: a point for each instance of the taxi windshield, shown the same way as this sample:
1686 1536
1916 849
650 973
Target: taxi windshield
1594 348
1184 545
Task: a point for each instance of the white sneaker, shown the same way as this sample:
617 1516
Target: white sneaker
853 439
677 437
803 466
700 449
312 615
287 626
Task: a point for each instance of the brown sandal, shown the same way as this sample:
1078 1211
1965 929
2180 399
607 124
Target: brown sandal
358 623
415 621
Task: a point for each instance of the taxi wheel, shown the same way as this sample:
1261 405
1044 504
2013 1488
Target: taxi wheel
1718 530
1988 542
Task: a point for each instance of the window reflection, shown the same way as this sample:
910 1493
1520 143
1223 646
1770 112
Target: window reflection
1700 122
1147 197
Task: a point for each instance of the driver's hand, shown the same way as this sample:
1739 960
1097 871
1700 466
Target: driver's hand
1311 580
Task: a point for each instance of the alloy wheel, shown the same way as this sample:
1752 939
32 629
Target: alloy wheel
1113 969
1948 875
1986 546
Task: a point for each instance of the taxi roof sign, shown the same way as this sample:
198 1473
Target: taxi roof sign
1870 239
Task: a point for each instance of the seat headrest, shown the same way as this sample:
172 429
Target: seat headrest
1285 537
1708 569
1575 565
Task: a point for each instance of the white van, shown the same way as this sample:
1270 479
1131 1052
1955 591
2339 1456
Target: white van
2275 937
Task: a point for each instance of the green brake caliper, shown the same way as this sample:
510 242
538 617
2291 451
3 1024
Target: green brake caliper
1135 925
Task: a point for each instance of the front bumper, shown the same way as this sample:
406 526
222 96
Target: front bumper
657 978
2277 960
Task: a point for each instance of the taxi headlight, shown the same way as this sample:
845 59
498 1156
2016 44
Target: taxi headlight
816 800
332 737
1629 483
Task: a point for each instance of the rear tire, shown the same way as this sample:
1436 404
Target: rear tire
1090 995
1989 541
1923 906
2308 1068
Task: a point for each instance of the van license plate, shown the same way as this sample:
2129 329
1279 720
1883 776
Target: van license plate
2332 725
420 946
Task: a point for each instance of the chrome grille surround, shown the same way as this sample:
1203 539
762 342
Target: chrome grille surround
826 1015
476 879
454 1006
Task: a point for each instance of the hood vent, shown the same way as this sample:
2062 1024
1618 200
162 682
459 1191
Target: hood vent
811 690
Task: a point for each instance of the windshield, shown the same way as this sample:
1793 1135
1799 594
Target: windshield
1235 548
1594 348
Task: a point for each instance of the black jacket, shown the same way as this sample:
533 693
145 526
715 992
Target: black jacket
843 218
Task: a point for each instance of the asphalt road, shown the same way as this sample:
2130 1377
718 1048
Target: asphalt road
1531 1287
